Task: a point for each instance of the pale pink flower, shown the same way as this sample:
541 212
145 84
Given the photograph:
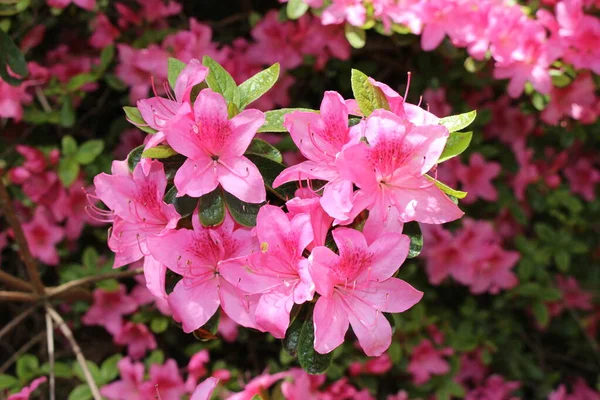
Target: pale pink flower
137 338
583 178
302 386
439 20
28 390
476 178
204 390
215 146
108 309
257 386
165 380
426 360
278 273
340 11
43 234
356 287
494 388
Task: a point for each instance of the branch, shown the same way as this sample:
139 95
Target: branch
76 349
17 320
14 282
22 297
68 286
50 339
17 354
8 210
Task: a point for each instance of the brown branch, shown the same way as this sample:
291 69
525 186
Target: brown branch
24 349
69 286
22 297
76 349
14 282
17 320
8 210
50 340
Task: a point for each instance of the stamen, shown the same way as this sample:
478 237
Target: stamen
407 85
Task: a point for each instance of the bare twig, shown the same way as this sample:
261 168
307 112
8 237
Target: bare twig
17 320
76 349
8 210
24 349
55 291
42 99
14 282
22 297
50 339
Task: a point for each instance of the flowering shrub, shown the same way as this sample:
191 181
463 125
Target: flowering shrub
203 204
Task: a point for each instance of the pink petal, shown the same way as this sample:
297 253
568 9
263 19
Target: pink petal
337 199
154 274
320 262
388 253
238 305
374 338
273 313
243 129
392 295
193 306
196 177
331 324
204 390
242 179
306 170
193 74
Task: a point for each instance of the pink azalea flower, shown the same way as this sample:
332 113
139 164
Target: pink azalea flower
204 390
28 390
436 102
476 178
374 366
302 386
215 146
42 236
33 38
494 272
583 178
105 33
527 173
573 296
71 206
426 360
356 287
439 19
577 101
137 338
228 328
165 380
323 41
257 386
197 368
137 66
38 182
340 11
580 391
196 254
137 208
320 138
404 12
494 388
509 124
155 10
389 170
401 395
129 386
85 4
191 44
278 273
12 98
308 202
108 309
472 369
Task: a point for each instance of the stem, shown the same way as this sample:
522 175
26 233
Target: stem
16 355
76 349
14 282
55 291
8 210
22 297
50 339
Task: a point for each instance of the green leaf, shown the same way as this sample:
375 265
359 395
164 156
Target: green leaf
11 57
296 8
67 113
220 81
81 392
80 80
274 119
159 324
355 35
109 370
311 361
106 57
254 87
28 366
256 397
89 151
369 97
413 231
212 208
395 352
184 205
456 144
68 170
8 382
261 148
68 145
562 260
447 189
290 342
135 117
156 357
94 371
457 122
134 157
540 312
241 212
160 151
175 67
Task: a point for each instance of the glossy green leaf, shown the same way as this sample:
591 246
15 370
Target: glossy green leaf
254 87
135 117
311 361
261 148
447 189
89 150
134 157
68 170
369 97
296 8
81 392
355 35
269 170
11 57
413 231
457 122
68 145
456 144
92 367
160 151
212 208
109 370
175 67
184 205
80 80
106 57
274 119
290 342
243 213
220 81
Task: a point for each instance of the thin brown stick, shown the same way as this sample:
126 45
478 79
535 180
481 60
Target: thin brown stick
76 349
14 282
9 213
55 291
22 297
24 349
17 320
50 340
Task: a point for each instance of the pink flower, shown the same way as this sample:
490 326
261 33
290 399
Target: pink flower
104 32
339 11
436 102
323 41
580 391
476 178
573 297
356 287
401 395
472 369
578 101
583 177
137 66
197 368
108 309
191 44
426 360
129 387
12 98
257 386
439 20
228 328
28 390
165 380
85 4
38 182
196 254
42 236
71 206
278 272
204 390
155 10
389 170
527 173
214 145
302 386
137 338
374 366
308 202
320 138
137 208
494 388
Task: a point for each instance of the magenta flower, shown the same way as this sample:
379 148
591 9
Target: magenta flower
476 178
356 287
389 170
28 390
320 138
108 309
85 4
583 178
278 272
128 388
215 146
495 387
43 235
196 254
104 32
426 360
137 338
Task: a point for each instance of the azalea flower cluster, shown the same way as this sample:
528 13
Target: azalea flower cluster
257 275
524 49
